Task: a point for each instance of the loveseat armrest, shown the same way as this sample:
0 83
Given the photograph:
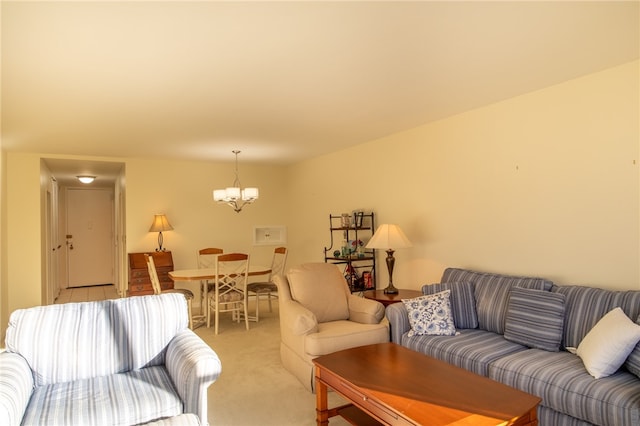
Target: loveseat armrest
16 387
398 317
193 367
365 311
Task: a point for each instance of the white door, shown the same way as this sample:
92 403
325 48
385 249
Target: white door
90 236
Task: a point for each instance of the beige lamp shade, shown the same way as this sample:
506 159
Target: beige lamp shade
388 236
160 223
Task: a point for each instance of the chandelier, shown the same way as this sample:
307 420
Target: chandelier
235 196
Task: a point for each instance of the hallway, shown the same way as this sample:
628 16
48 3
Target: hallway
87 294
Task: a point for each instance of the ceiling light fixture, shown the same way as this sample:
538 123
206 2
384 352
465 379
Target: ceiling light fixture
233 195
86 179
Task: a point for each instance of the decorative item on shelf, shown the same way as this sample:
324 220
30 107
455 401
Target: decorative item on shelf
345 220
355 248
389 237
368 281
160 224
345 252
351 275
233 195
358 216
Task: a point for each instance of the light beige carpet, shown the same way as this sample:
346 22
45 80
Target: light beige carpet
254 388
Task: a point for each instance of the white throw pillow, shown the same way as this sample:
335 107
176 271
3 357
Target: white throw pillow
605 348
431 315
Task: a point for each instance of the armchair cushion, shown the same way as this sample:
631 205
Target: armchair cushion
321 288
149 395
365 311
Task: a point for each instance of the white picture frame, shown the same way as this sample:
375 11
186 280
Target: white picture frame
269 235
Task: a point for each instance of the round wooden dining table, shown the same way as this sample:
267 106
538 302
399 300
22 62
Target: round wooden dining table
210 273
204 274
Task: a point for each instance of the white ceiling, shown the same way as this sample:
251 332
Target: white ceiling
281 81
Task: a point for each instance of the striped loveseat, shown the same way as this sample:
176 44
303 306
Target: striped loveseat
521 331
115 362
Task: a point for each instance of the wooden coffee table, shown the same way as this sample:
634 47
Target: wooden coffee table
392 385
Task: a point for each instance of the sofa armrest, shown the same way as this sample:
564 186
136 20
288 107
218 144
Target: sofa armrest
365 311
193 367
297 319
16 387
398 321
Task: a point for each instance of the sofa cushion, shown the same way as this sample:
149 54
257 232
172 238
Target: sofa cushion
559 378
492 293
471 349
606 347
430 314
145 325
463 302
321 288
150 395
535 318
584 306
633 360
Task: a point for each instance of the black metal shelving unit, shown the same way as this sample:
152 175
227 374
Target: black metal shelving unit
359 263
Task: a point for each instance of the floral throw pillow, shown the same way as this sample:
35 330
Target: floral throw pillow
431 314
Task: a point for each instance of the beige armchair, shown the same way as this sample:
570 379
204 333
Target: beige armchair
319 315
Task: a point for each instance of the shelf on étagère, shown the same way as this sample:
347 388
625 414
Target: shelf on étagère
350 259
351 228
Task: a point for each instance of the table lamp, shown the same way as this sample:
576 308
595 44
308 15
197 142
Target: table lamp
160 223
389 237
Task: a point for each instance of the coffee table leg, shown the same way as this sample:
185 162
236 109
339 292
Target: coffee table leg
322 404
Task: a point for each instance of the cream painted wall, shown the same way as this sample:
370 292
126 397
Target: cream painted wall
183 191
4 310
23 265
543 184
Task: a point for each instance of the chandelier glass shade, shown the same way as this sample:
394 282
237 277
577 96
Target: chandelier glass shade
235 196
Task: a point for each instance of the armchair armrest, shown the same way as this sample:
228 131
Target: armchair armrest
296 318
193 366
365 311
16 387
398 321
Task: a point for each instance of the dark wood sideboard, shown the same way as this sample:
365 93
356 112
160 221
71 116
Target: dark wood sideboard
139 281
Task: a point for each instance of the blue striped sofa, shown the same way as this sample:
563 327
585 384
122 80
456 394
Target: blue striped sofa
115 362
482 306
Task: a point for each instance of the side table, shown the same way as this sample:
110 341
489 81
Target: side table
388 299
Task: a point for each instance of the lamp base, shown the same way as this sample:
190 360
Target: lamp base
390 289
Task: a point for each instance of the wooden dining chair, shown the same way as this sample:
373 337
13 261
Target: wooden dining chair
206 260
268 288
229 289
157 289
